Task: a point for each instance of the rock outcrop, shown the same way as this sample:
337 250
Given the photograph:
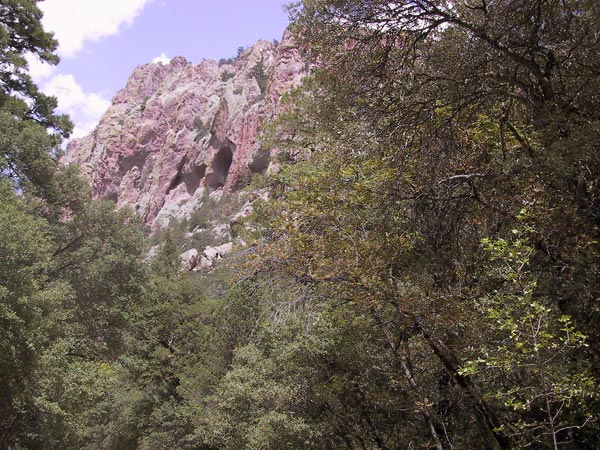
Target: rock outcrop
179 130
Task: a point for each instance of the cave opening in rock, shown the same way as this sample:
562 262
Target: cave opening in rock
126 163
260 161
192 178
220 168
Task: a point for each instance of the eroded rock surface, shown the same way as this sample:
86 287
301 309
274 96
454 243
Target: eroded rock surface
180 129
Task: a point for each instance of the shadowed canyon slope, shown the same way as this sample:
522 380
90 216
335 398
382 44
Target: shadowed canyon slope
180 129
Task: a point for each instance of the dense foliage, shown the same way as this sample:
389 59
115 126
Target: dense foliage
424 275
451 194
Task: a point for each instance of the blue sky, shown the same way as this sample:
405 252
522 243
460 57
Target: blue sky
102 41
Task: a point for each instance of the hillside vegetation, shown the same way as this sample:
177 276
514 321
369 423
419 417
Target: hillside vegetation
425 273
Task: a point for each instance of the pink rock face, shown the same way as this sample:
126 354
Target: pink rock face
178 130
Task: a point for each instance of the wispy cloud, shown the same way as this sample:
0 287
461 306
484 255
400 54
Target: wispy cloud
85 109
38 69
75 22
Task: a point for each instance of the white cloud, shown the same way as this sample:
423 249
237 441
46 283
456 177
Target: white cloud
85 109
76 21
38 69
162 59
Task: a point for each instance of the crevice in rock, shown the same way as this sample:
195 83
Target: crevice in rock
178 179
175 182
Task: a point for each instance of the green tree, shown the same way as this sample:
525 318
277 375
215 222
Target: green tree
430 125
27 303
31 132
535 348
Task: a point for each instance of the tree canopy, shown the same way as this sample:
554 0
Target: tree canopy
424 273
30 130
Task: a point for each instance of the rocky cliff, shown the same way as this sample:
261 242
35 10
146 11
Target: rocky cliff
179 131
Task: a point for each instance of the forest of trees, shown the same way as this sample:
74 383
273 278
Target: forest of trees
425 274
